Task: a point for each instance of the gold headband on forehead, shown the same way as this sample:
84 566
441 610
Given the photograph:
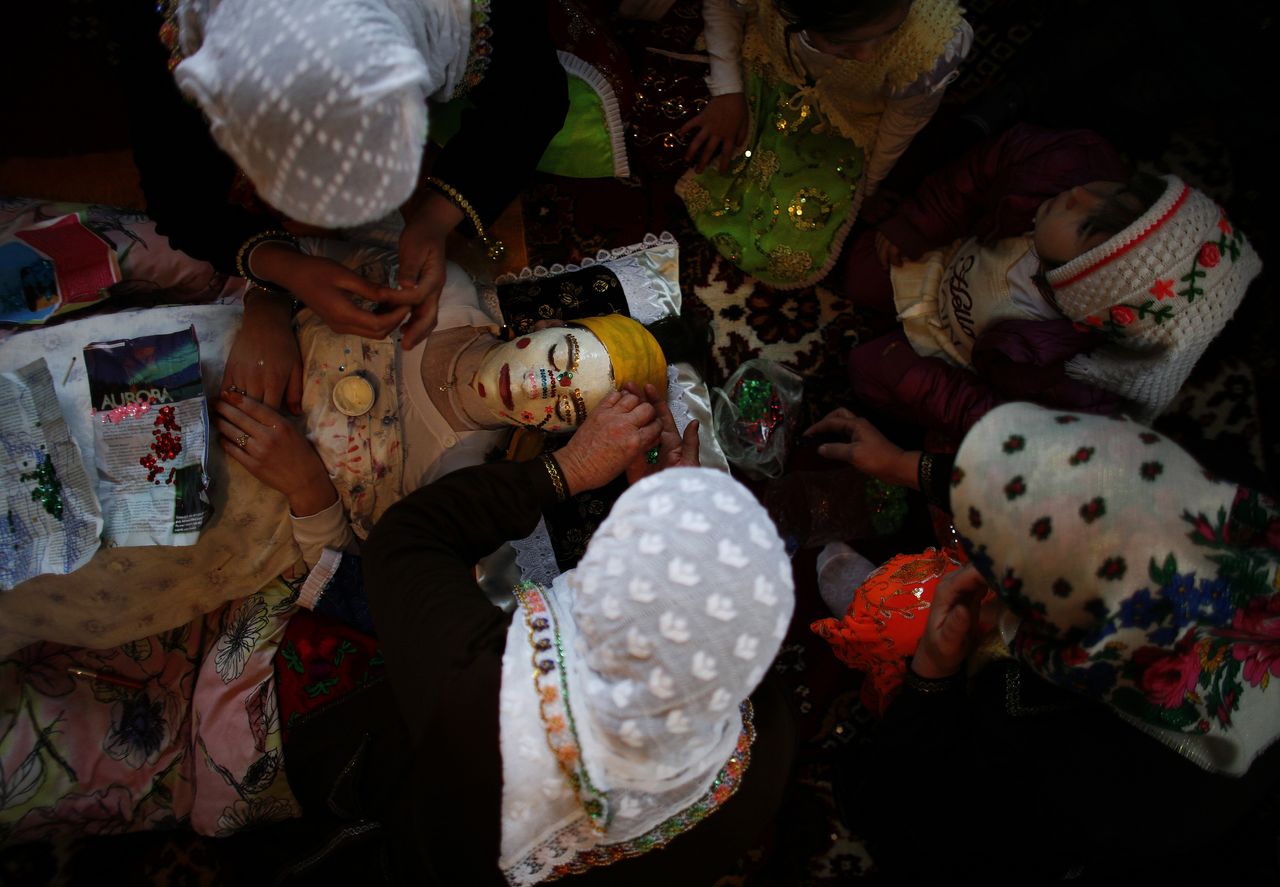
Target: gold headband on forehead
634 353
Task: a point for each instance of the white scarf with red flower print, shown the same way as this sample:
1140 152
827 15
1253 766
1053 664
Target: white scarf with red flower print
1141 580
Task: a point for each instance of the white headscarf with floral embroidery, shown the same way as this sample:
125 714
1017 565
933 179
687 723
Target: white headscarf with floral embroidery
1161 290
1141 580
654 641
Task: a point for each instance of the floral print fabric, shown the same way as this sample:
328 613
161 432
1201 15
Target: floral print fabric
179 728
1142 581
321 660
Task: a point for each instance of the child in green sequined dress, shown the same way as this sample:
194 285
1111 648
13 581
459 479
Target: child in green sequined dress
823 98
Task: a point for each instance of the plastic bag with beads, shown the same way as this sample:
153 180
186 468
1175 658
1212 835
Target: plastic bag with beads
755 415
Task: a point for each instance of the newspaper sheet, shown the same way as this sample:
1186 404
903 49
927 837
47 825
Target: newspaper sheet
51 521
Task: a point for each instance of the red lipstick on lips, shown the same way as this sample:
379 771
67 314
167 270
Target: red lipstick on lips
504 387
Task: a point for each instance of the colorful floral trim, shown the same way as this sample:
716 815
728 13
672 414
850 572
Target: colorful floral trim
723 787
479 57
1203 634
1124 314
168 10
553 702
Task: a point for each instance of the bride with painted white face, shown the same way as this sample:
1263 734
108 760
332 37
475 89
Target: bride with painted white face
382 422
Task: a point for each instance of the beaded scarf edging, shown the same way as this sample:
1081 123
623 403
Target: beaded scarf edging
479 57
168 10
723 787
543 638
553 703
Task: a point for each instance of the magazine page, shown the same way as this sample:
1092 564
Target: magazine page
150 429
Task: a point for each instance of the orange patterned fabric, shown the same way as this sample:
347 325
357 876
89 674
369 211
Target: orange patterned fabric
886 620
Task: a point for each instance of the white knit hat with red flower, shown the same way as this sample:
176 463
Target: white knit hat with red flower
1161 290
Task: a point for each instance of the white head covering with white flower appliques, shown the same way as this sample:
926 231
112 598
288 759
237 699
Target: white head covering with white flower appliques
623 714
1142 581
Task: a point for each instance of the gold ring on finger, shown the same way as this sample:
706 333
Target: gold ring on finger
242 441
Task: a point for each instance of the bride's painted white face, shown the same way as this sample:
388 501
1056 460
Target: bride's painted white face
550 379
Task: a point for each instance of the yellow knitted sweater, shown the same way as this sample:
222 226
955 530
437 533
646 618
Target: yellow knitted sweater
852 95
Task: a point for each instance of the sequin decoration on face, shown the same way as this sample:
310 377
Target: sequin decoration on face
548 379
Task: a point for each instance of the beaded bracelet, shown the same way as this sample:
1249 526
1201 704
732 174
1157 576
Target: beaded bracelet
275 235
556 479
254 288
924 473
493 247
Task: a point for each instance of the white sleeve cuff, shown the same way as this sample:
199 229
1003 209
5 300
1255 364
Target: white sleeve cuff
313 587
324 529
723 26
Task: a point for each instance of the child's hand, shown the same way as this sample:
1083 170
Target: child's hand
868 450
952 630
274 452
721 128
264 362
887 252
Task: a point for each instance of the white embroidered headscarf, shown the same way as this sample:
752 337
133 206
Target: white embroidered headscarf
322 103
654 641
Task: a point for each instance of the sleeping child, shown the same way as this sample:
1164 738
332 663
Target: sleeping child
1104 304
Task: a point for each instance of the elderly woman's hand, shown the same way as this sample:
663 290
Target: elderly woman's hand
275 452
618 431
952 630
868 450
672 450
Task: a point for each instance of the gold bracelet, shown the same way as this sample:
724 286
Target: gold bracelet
493 247
556 480
275 235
